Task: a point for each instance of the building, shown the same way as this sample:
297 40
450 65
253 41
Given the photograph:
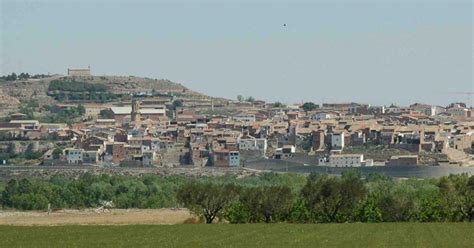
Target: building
135 113
346 160
458 110
90 157
323 115
344 107
318 140
249 143
18 116
376 110
118 152
226 158
123 115
245 117
79 72
422 108
73 155
403 160
148 158
92 111
357 138
436 110
27 124
285 152
337 141
357 108
105 122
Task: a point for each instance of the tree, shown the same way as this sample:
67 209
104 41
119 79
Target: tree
107 113
23 76
57 153
10 190
177 104
207 200
401 201
309 106
332 199
81 109
250 99
28 111
13 77
267 203
278 105
458 191
240 98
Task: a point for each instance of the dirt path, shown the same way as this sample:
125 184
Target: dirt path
90 217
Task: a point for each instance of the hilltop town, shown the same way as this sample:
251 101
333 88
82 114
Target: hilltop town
106 121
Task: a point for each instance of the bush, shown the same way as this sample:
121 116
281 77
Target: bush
75 86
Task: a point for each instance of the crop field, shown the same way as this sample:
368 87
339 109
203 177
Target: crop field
90 217
245 235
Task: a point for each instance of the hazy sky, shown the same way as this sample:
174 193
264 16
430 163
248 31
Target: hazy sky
377 52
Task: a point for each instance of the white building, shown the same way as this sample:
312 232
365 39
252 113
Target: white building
436 110
234 159
250 143
284 152
148 158
322 116
376 110
245 118
73 155
346 160
337 141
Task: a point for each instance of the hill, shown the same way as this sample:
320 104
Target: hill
12 93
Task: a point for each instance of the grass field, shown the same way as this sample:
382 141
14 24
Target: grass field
250 235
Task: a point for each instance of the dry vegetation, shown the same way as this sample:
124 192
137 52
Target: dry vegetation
90 217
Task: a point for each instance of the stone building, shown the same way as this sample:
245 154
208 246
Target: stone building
79 72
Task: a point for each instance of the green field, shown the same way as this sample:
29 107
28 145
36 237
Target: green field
245 235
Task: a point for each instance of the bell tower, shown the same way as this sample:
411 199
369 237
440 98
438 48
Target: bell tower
135 110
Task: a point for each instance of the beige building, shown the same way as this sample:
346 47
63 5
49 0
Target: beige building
79 72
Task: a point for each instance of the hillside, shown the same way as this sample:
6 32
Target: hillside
12 93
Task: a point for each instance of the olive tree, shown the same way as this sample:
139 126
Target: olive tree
205 199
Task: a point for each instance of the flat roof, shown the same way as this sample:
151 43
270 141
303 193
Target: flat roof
152 111
346 155
128 110
105 120
25 121
122 110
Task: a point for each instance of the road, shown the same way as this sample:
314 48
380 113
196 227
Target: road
420 171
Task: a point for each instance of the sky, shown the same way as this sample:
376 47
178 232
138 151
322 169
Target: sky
376 52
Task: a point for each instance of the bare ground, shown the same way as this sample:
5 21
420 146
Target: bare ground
90 217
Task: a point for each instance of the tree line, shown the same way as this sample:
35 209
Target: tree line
75 86
22 76
326 199
266 198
